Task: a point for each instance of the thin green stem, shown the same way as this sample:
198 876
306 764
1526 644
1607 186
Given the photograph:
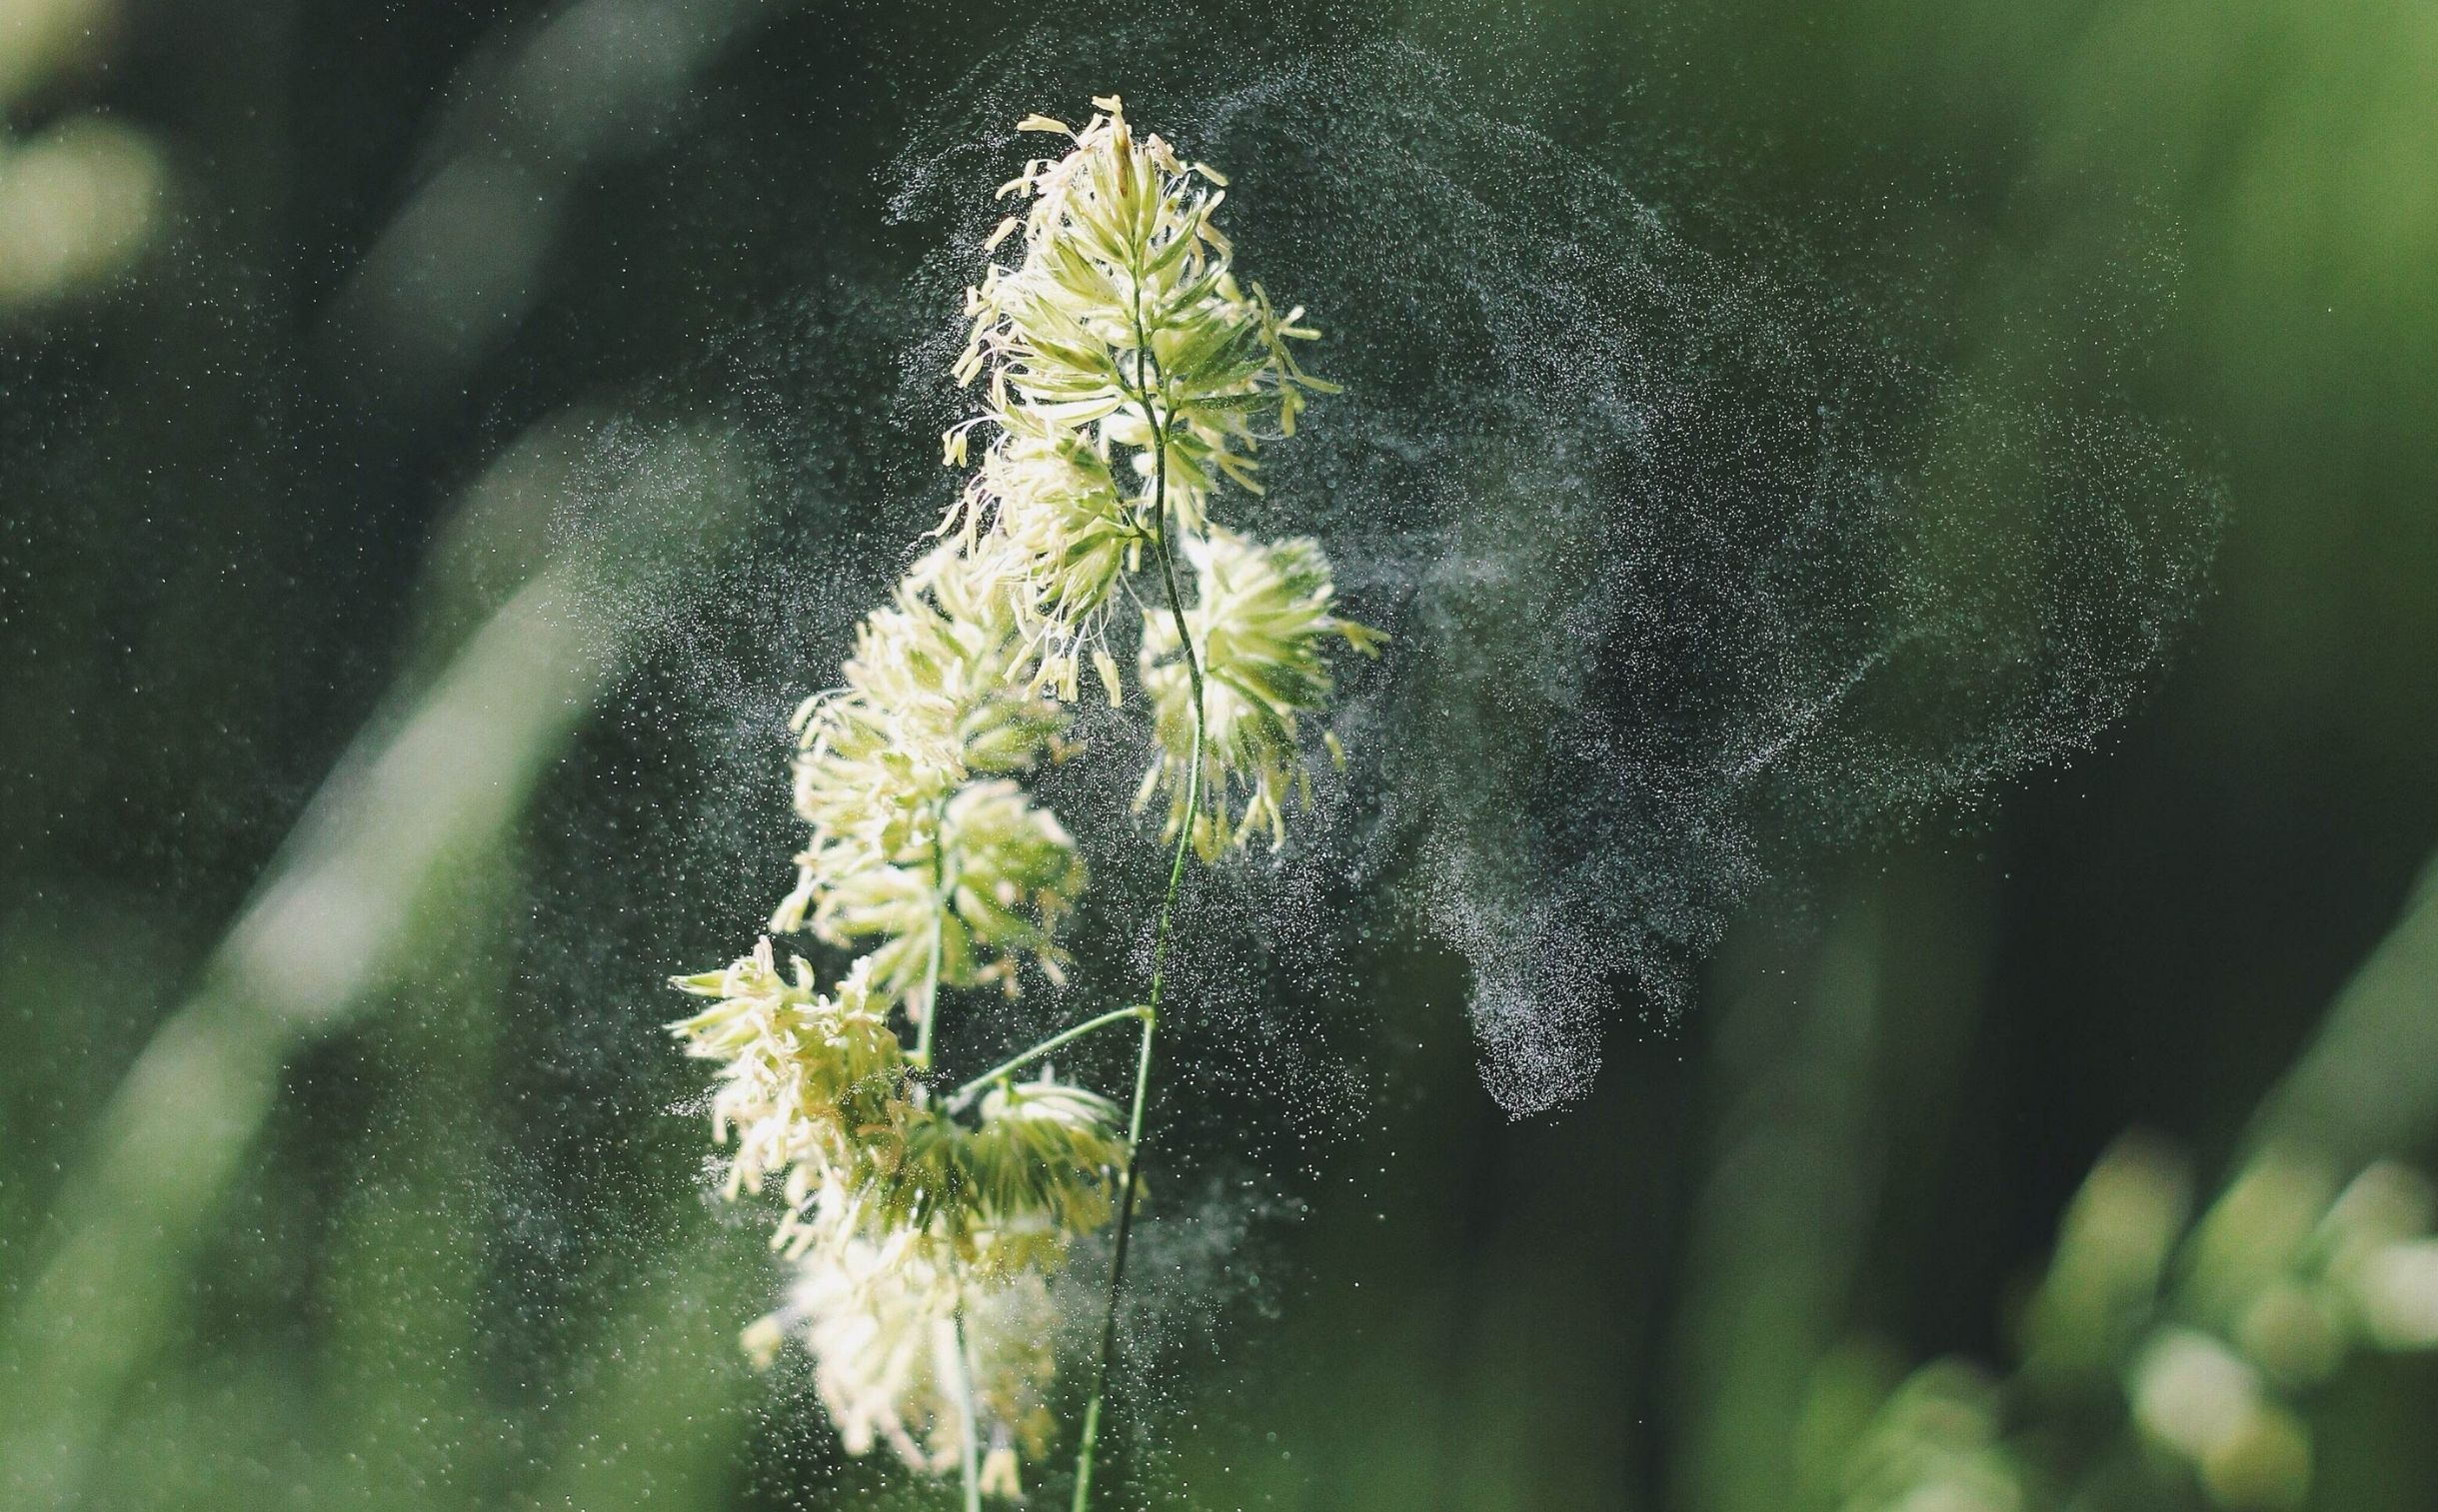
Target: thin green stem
970 1462
931 968
1091 1439
964 1094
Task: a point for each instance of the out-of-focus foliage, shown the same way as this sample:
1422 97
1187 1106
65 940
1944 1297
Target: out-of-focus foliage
393 400
81 198
2202 1354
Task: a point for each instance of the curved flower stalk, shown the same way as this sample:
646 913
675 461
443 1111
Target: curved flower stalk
1127 377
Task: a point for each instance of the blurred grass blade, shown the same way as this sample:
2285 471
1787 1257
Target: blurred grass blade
661 1424
338 915
1781 1223
360 891
2368 1085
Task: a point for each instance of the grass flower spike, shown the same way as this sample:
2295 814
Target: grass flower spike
911 841
806 1078
880 1319
1262 617
1127 373
1128 380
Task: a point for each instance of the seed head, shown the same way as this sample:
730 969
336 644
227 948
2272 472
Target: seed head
1127 374
879 1319
1119 324
1260 619
895 773
807 1078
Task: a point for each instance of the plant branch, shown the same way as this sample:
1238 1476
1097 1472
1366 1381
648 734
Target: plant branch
970 1461
930 968
964 1094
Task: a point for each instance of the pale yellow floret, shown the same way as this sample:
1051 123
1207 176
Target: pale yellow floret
806 1075
1119 335
1260 619
898 777
879 1319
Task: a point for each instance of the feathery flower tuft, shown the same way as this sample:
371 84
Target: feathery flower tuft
807 1077
992 872
1128 369
879 1319
1260 617
892 774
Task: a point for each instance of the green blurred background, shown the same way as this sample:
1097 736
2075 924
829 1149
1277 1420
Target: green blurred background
336 755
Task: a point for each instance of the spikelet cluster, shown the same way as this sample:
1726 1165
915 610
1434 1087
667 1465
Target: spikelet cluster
1128 376
806 1078
903 1218
881 1319
1259 622
903 775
